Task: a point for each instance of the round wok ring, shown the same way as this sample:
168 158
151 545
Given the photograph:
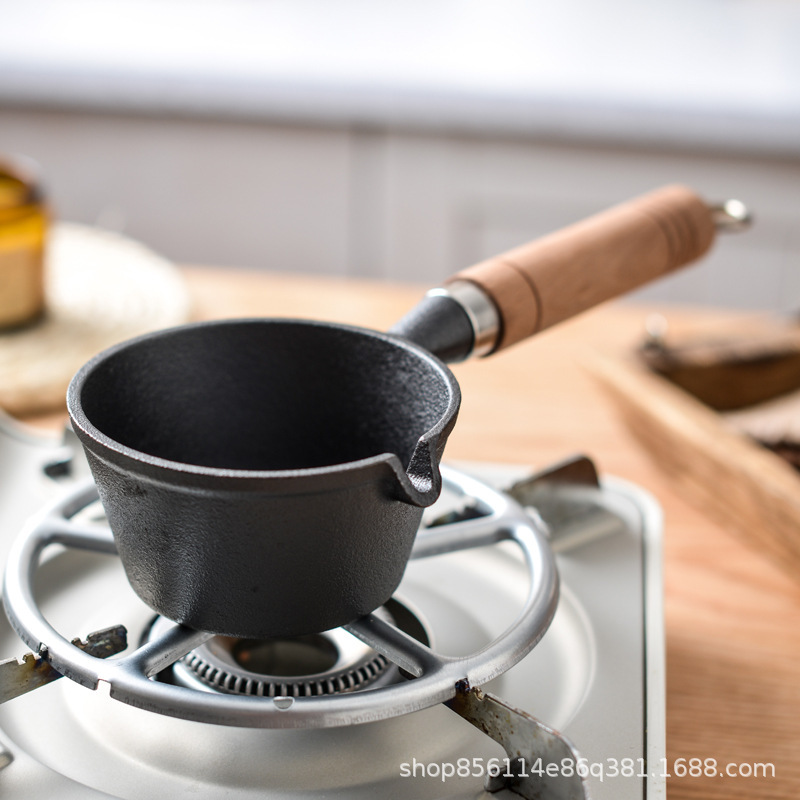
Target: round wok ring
266 478
436 674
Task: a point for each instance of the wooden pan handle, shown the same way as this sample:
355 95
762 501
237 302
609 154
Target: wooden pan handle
553 278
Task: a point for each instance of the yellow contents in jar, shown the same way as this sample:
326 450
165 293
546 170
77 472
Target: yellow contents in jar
23 228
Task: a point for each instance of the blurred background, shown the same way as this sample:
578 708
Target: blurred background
406 140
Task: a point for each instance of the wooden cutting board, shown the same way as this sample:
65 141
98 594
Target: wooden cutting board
728 475
101 288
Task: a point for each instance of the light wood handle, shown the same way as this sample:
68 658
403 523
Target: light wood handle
553 278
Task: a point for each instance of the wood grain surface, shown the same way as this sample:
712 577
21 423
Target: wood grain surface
701 452
732 617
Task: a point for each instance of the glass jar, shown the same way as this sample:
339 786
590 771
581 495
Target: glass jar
23 230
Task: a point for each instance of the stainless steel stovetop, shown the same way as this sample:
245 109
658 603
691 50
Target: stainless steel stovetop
597 675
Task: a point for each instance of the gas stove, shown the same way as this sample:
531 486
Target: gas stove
532 609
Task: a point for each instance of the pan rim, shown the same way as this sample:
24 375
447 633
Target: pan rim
297 479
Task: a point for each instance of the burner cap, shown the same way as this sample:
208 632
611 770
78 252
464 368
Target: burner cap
332 662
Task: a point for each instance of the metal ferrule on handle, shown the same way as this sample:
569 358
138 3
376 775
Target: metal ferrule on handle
480 310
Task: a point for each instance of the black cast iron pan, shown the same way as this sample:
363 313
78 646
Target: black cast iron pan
266 477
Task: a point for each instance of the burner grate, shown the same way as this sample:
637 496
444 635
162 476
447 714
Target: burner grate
435 676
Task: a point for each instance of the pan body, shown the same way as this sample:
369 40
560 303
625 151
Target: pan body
264 478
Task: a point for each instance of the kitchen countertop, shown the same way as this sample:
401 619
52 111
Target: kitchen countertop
690 73
733 640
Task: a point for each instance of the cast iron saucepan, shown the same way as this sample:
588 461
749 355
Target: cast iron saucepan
266 477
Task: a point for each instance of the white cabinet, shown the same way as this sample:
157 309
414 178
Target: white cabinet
446 203
200 191
391 204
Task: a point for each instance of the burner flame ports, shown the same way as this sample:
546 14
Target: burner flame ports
314 665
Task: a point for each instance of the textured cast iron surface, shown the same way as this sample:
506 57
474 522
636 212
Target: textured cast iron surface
441 326
264 477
